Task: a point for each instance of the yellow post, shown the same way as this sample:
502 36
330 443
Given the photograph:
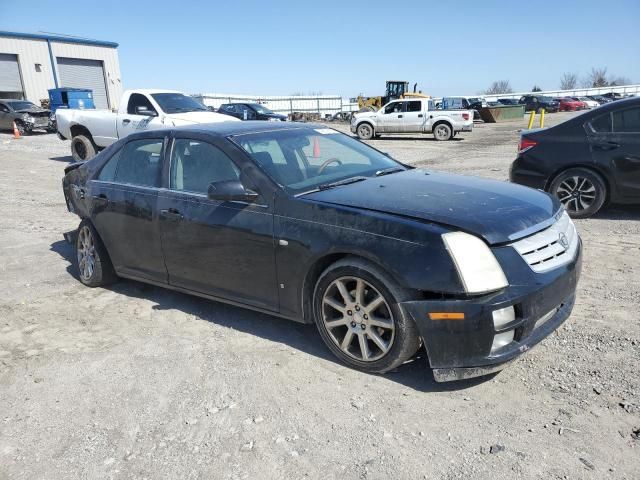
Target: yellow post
542 118
532 116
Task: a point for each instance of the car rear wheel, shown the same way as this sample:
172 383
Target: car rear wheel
581 191
365 131
357 314
94 265
442 132
82 148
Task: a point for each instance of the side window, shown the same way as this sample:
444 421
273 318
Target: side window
394 107
229 108
414 106
4 108
137 100
108 172
602 124
196 164
140 164
627 121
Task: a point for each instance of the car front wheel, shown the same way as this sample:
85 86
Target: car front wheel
365 131
581 191
357 314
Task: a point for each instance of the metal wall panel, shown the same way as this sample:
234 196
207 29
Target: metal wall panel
10 80
83 73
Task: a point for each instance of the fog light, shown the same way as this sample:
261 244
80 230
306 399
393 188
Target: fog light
503 316
502 339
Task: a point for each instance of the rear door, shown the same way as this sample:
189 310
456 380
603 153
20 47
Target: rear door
414 116
615 144
392 118
124 208
223 249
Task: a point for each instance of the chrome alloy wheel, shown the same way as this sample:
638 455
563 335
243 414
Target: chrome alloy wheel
86 253
576 193
358 319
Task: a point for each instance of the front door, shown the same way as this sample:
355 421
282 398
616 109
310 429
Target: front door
134 120
616 146
224 249
125 214
6 119
392 118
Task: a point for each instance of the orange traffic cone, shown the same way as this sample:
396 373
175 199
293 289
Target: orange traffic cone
316 148
16 132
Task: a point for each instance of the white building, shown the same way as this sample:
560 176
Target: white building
31 64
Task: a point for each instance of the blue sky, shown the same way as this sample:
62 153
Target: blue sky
347 47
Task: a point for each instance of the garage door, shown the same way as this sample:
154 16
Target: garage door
82 73
10 81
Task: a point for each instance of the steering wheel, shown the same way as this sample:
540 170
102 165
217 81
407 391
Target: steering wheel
327 163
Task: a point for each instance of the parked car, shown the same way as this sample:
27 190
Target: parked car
304 222
26 115
464 103
613 96
566 104
412 116
600 99
92 130
587 161
508 101
538 102
587 101
251 111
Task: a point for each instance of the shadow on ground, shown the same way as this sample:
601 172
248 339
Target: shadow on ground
414 374
619 212
66 158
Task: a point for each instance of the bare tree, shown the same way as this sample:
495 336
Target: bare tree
598 77
569 81
617 81
536 88
498 87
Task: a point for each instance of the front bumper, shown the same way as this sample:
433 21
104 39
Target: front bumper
459 349
353 128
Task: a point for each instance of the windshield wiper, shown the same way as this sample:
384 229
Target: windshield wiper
387 171
346 181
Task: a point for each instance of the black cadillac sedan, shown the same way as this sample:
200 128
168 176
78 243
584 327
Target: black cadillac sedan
301 221
587 161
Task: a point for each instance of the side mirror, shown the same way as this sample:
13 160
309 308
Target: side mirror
231 191
141 110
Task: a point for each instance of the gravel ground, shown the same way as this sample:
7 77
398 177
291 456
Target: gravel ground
134 381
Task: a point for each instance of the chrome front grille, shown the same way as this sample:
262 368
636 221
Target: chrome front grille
550 248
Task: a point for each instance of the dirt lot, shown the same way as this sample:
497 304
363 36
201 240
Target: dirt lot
135 381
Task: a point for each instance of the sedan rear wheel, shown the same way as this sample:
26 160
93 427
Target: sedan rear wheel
94 265
581 191
358 317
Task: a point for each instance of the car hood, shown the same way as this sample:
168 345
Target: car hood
188 118
365 115
33 110
499 212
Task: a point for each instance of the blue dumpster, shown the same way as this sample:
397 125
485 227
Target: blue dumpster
71 98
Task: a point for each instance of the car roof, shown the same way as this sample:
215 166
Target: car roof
227 129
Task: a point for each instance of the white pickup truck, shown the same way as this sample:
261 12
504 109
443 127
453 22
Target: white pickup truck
93 130
412 115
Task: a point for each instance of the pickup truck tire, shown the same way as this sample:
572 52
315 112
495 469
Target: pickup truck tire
365 131
82 148
442 132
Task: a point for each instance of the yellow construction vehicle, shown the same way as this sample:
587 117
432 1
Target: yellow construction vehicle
395 89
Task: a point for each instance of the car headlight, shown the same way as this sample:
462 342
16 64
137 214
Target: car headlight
478 268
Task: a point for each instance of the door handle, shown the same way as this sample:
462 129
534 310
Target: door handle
100 199
171 214
126 121
420 115
399 116
606 146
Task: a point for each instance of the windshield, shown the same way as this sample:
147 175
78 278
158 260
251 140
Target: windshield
178 103
307 159
22 105
546 99
260 109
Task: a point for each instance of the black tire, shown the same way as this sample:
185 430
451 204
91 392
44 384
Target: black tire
82 148
365 131
582 191
402 343
442 132
101 273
